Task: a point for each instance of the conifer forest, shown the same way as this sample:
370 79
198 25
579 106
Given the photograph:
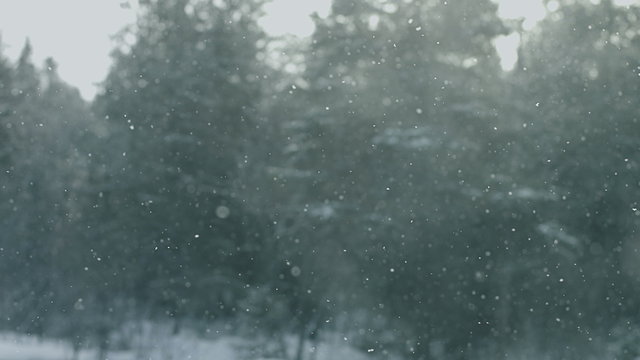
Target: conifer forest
382 189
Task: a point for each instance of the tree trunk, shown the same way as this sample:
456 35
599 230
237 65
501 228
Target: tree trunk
302 335
75 354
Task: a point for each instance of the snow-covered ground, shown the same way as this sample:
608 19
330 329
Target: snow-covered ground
19 347
184 346
157 343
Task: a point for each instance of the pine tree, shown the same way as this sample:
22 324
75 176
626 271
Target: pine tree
184 97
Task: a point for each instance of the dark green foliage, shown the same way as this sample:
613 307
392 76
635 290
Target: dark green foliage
401 191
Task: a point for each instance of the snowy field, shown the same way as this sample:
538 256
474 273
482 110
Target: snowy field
178 347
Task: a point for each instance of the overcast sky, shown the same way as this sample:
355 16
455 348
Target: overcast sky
78 33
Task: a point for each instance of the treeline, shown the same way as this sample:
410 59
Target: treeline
397 188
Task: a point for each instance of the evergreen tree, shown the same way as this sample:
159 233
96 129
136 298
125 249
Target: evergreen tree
184 97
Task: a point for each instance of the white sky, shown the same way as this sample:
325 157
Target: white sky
78 33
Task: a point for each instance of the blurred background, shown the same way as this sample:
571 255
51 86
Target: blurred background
314 180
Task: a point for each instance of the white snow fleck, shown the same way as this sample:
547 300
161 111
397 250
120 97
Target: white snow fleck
222 212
